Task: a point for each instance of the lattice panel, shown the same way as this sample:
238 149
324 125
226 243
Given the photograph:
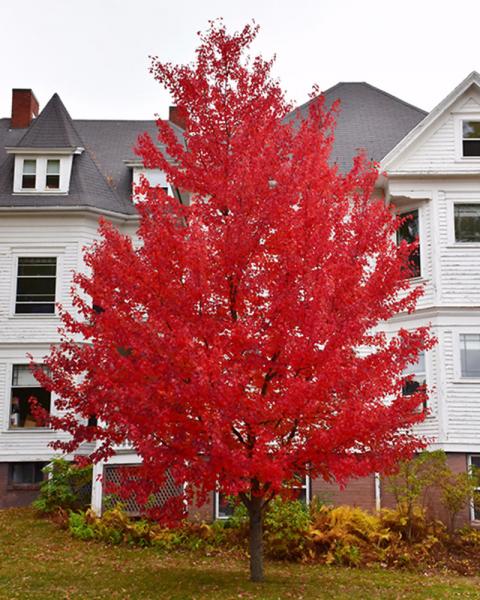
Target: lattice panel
112 475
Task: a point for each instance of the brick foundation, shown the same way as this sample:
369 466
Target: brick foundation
15 496
361 493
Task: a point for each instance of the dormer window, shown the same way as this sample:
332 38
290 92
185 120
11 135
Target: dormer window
471 138
53 174
42 174
29 174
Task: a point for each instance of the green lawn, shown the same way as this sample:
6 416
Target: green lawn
38 560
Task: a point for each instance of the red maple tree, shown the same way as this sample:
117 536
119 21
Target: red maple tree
238 344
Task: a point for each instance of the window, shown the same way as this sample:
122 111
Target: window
224 507
408 231
29 175
471 138
417 378
36 280
467 222
25 474
53 175
470 354
24 387
474 462
302 489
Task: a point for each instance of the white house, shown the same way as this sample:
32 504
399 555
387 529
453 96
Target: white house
58 175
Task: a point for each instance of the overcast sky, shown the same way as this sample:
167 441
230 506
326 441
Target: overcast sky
94 53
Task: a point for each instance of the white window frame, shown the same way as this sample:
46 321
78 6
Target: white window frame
458 357
422 407
459 137
17 276
8 397
461 197
40 188
451 218
37 252
24 160
158 174
403 210
216 501
59 174
472 505
306 486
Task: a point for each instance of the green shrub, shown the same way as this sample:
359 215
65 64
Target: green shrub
286 525
79 526
63 487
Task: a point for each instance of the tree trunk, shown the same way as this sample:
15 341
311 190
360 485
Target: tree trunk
256 539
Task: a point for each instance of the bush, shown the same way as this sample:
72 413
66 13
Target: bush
286 526
64 487
342 535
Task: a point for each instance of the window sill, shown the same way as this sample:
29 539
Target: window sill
27 487
417 280
467 380
39 193
28 429
20 316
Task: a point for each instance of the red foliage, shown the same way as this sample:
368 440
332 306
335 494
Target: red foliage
229 345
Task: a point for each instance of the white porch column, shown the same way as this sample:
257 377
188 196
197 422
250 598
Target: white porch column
97 487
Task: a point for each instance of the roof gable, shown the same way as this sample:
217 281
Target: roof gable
439 123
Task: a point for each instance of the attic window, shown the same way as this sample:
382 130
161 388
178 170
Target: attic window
53 175
29 175
471 138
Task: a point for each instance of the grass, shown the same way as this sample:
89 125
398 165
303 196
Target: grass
38 560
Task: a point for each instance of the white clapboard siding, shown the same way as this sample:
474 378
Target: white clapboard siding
438 148
462 399
22 234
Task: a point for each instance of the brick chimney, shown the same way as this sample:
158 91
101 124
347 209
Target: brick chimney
177 116
24 108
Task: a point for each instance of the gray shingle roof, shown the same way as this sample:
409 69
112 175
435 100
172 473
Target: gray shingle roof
368 119
53 128
100 179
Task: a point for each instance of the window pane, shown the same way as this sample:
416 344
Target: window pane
418 367
471 147
475 461
26 473
22 376
36 285
20 413
471 129
52 182
29 182
409 232
467 222
41 266
53 167
470 355
225 506
29 167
